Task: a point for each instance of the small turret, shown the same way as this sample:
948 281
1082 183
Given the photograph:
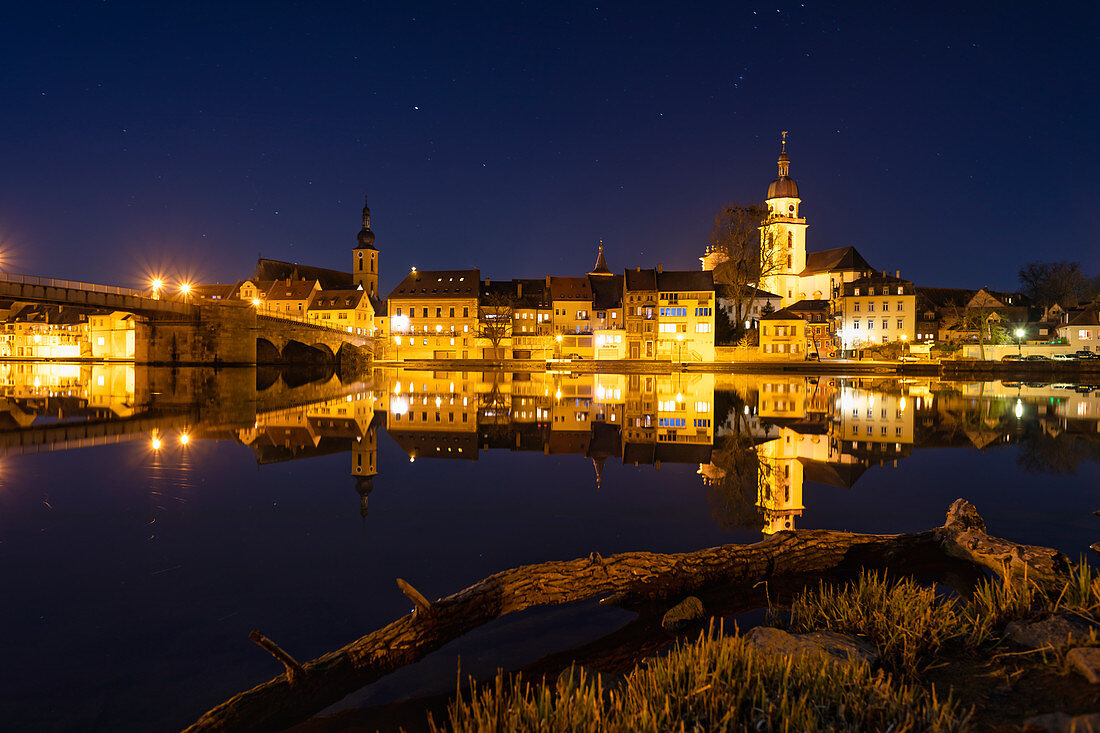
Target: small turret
601 264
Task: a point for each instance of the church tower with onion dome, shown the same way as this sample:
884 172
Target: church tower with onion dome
364 263
783 235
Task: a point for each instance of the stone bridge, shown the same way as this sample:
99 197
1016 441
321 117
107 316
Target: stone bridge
184 331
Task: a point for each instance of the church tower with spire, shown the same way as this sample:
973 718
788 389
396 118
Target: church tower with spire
783 234
364 263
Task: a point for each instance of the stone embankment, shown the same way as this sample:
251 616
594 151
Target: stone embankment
1086 371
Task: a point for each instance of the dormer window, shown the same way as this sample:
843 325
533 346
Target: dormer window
856 291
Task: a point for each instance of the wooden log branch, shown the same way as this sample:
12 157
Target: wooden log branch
423 605
964 536
279 703
294 671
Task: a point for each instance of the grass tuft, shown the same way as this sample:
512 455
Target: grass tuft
906 621
716 683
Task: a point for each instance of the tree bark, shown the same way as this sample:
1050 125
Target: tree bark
280 702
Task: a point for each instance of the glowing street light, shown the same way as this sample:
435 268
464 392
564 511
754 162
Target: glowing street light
184 438
185 289
1019 337
156 285
256 302
155 443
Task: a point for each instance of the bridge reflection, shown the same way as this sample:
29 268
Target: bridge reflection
759 442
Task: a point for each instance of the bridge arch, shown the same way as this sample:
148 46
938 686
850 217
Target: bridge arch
297 352
325 349
267 352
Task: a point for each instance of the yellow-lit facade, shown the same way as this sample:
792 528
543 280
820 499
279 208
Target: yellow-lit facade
877 310
35 340
349 310
783 336
434 315
112 335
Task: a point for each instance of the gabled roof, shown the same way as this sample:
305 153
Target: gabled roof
639 279
570 288
784 314
338 300
684 280
293 290
844 259
279 270
1089 316
997 299
438 284
217 291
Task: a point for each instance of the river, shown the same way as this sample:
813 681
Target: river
150 518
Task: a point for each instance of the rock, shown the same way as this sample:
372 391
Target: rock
826 645
683 614
1062 723
1050 633
1086 660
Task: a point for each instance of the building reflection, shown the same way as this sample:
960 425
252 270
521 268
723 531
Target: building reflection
760 442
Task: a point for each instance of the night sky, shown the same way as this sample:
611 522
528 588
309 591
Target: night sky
955 144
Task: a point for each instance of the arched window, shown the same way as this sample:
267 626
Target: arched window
790 240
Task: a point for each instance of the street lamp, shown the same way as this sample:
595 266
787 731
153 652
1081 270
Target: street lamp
680 347
185 289
557 347
1019 336
157 284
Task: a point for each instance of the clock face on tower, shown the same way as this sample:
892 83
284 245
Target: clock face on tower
790 208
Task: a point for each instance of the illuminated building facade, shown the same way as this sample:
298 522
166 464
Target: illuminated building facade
876 309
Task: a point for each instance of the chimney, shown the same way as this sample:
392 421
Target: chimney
638 268
519 290
547 281
486 282
897 274
660 269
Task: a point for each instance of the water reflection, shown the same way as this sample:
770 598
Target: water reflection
756 441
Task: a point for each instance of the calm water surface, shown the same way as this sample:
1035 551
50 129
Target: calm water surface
135 564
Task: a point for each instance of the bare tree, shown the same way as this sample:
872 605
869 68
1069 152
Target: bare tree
751 253
981 320
494 318
1047 283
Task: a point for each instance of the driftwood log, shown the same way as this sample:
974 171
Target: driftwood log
308 688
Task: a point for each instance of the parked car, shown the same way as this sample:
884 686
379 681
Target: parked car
1012 357
1085 354
1064 357
1036 357
810 356
908 357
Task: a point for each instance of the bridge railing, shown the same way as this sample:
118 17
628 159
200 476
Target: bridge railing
50 282
284 316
